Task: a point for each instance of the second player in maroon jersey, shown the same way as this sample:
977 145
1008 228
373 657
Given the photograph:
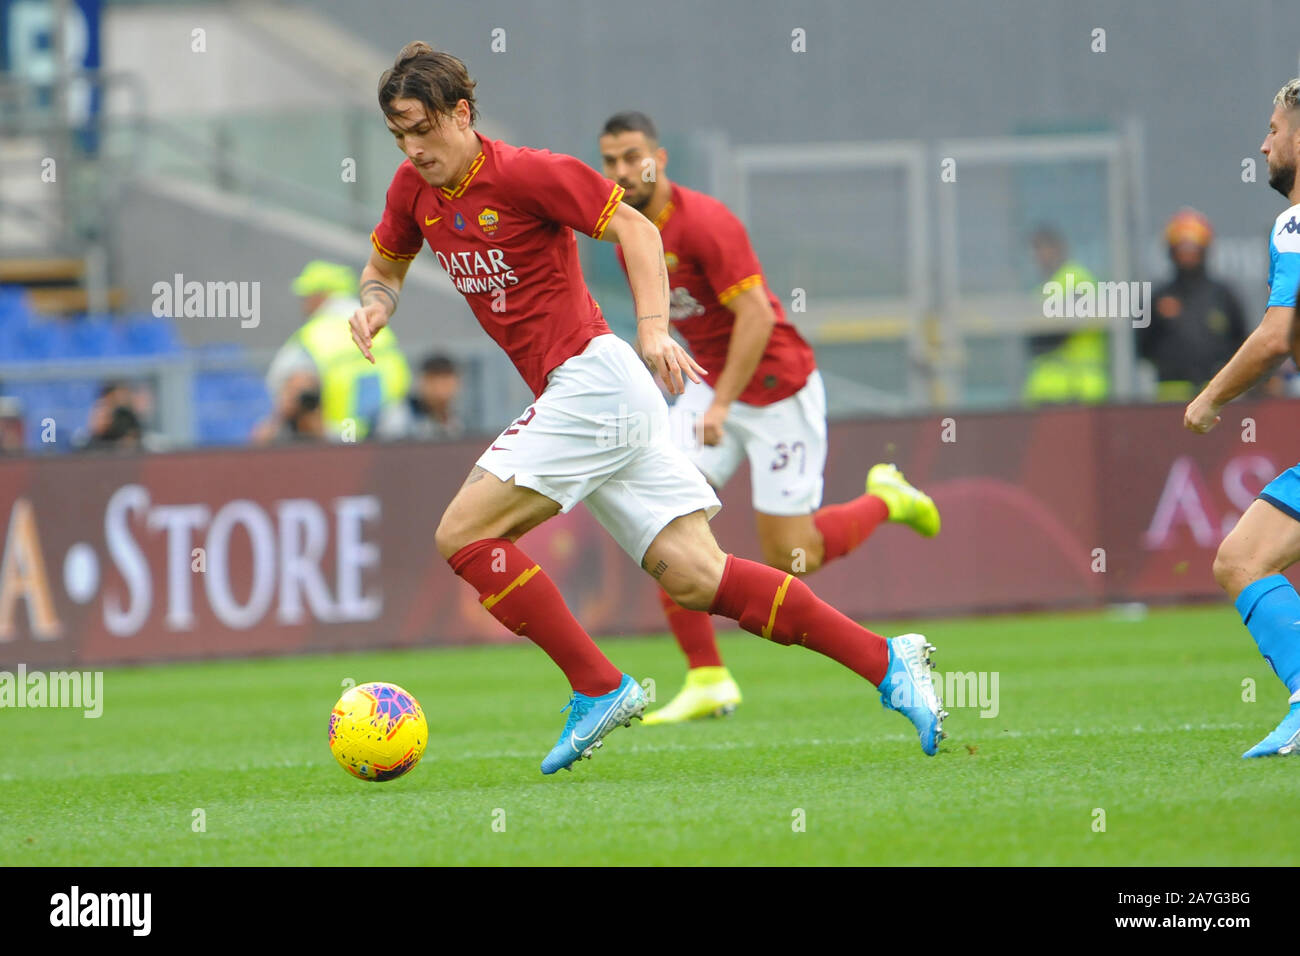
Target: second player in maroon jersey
762 400
712 269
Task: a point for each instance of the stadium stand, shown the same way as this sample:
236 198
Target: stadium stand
227 400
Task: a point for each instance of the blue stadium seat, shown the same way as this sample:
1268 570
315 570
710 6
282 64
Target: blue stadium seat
98 336
8 343
59 339
209 387
90 339
247 387
146 335
33 342
13 304
225 430
228 403
73 393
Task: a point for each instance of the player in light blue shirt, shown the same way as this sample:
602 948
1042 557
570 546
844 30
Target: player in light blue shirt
1284 255
1266 540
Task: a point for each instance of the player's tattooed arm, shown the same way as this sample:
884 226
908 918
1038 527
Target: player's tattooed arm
381 281
373 290
663 285
643 254
663 282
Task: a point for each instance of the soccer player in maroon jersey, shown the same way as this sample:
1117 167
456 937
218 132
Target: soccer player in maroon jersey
762 398
500 221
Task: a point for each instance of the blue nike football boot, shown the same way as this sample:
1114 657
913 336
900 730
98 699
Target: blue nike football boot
908 689
1282 741
590 719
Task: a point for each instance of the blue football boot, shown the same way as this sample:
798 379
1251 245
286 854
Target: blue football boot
908 689
590 719
1282 741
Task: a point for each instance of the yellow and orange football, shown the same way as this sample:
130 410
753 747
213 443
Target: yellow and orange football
377 731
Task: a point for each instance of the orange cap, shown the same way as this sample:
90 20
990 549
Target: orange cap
1189 225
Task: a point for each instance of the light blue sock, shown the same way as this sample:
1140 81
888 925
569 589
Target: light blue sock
1270 609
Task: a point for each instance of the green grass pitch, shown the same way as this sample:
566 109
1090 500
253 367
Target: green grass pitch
1144 720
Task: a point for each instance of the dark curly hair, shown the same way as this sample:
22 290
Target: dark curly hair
438 80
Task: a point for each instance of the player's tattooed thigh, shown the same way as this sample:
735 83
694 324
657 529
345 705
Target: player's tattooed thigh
477 473
658 570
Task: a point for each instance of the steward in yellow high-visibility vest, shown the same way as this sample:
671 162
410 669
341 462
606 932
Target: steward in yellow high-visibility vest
352 390
1074 366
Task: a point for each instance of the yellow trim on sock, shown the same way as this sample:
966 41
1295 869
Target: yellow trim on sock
776 604
490 602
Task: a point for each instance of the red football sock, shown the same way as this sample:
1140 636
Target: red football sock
694 633
781 608
846 526
518 593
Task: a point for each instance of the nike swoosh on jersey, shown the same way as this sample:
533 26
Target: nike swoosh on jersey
430 222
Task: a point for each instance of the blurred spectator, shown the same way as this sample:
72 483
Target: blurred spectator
112 395
12 431
297 415
113 421
122 431
1066 366
118 419
1197 323
429 412
352 391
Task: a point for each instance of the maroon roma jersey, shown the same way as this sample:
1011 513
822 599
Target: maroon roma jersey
710 262
504 234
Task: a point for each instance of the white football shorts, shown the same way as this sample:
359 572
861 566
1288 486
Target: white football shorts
599 433
785 443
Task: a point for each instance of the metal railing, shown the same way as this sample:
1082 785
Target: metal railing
172 379
899 311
